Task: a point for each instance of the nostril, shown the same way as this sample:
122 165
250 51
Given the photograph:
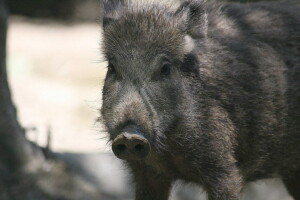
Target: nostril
139 147
120 147
130 146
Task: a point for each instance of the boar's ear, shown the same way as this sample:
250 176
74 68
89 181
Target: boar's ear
192 18
112 10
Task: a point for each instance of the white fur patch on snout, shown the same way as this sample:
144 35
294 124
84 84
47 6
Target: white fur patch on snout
189 44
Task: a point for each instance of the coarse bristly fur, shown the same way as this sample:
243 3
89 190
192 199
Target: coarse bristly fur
214 88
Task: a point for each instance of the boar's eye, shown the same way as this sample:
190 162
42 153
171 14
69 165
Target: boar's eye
111 68
166 69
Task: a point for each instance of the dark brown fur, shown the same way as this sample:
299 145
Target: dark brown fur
229 111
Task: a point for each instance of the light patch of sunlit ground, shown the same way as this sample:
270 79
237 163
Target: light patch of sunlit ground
56 75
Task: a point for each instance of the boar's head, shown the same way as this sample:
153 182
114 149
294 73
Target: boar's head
149 49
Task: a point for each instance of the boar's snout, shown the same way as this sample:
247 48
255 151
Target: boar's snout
131 145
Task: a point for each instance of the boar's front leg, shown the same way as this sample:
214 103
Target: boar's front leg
221 180
150 185
220 177
224 188
211 166
218 174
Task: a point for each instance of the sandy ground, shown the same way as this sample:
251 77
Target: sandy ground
56 74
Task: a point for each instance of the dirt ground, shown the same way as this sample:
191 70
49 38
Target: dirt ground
56 74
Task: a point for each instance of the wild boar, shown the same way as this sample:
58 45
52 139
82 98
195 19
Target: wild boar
205 92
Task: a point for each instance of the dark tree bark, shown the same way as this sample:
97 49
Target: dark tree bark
14 149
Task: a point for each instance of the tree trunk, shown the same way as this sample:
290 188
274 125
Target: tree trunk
14 149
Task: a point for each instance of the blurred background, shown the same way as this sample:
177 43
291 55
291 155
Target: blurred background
56 72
